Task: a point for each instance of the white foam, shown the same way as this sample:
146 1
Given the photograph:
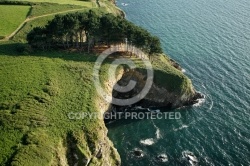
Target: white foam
157 133
212 102
200 101
182 127
183 70
163 158
124 4
155 111
149 141
138 107
190 157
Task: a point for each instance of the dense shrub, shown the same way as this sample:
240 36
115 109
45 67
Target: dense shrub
86 30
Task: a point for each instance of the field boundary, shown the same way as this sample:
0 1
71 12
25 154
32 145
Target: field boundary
8 37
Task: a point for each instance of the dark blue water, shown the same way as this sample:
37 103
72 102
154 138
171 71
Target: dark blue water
211 41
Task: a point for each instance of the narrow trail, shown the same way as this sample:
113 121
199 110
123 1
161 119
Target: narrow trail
33 18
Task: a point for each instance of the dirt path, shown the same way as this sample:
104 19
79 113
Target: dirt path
33 18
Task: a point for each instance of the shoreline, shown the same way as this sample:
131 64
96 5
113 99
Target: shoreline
192 102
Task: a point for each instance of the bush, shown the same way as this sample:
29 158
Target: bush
5 2
24 49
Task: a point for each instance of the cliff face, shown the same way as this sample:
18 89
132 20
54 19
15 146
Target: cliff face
158 96
81 148
170 88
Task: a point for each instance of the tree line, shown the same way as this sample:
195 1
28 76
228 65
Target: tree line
89 29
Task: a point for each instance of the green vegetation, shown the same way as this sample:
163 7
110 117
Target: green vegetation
47 8
86 30
11 17
41 13
38 89
21 35
37 94
107 5
88 4
166 75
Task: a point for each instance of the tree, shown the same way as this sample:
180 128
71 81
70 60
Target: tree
37 38
83 21
92 28
69 30
155 45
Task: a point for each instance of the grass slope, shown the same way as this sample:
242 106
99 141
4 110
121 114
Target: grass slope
37 94
39 22
38 90
88 4
47 8
11 17
42 9
166 75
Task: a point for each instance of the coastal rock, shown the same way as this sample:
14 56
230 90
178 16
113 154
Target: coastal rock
162 158
138 153
175 64
190 157
158 96
99 154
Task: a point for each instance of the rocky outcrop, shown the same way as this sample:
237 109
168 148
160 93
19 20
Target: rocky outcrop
82 149
158 96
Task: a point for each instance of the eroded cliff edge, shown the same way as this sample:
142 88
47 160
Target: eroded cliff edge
39 114
171 88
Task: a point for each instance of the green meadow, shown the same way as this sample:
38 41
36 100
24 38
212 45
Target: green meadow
41 9
11 17
89 3
38 90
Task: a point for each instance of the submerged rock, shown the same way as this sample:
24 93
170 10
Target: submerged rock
190 157
138 153
162 158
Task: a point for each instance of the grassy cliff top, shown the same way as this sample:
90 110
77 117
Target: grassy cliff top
86 3
38 94
39 90
11 17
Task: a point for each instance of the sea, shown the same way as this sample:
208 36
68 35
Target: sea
210 39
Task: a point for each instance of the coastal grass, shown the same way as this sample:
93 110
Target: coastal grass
40 12
21 35
108 6
11 17
166 75
38 91
38 22
88 4
40 9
